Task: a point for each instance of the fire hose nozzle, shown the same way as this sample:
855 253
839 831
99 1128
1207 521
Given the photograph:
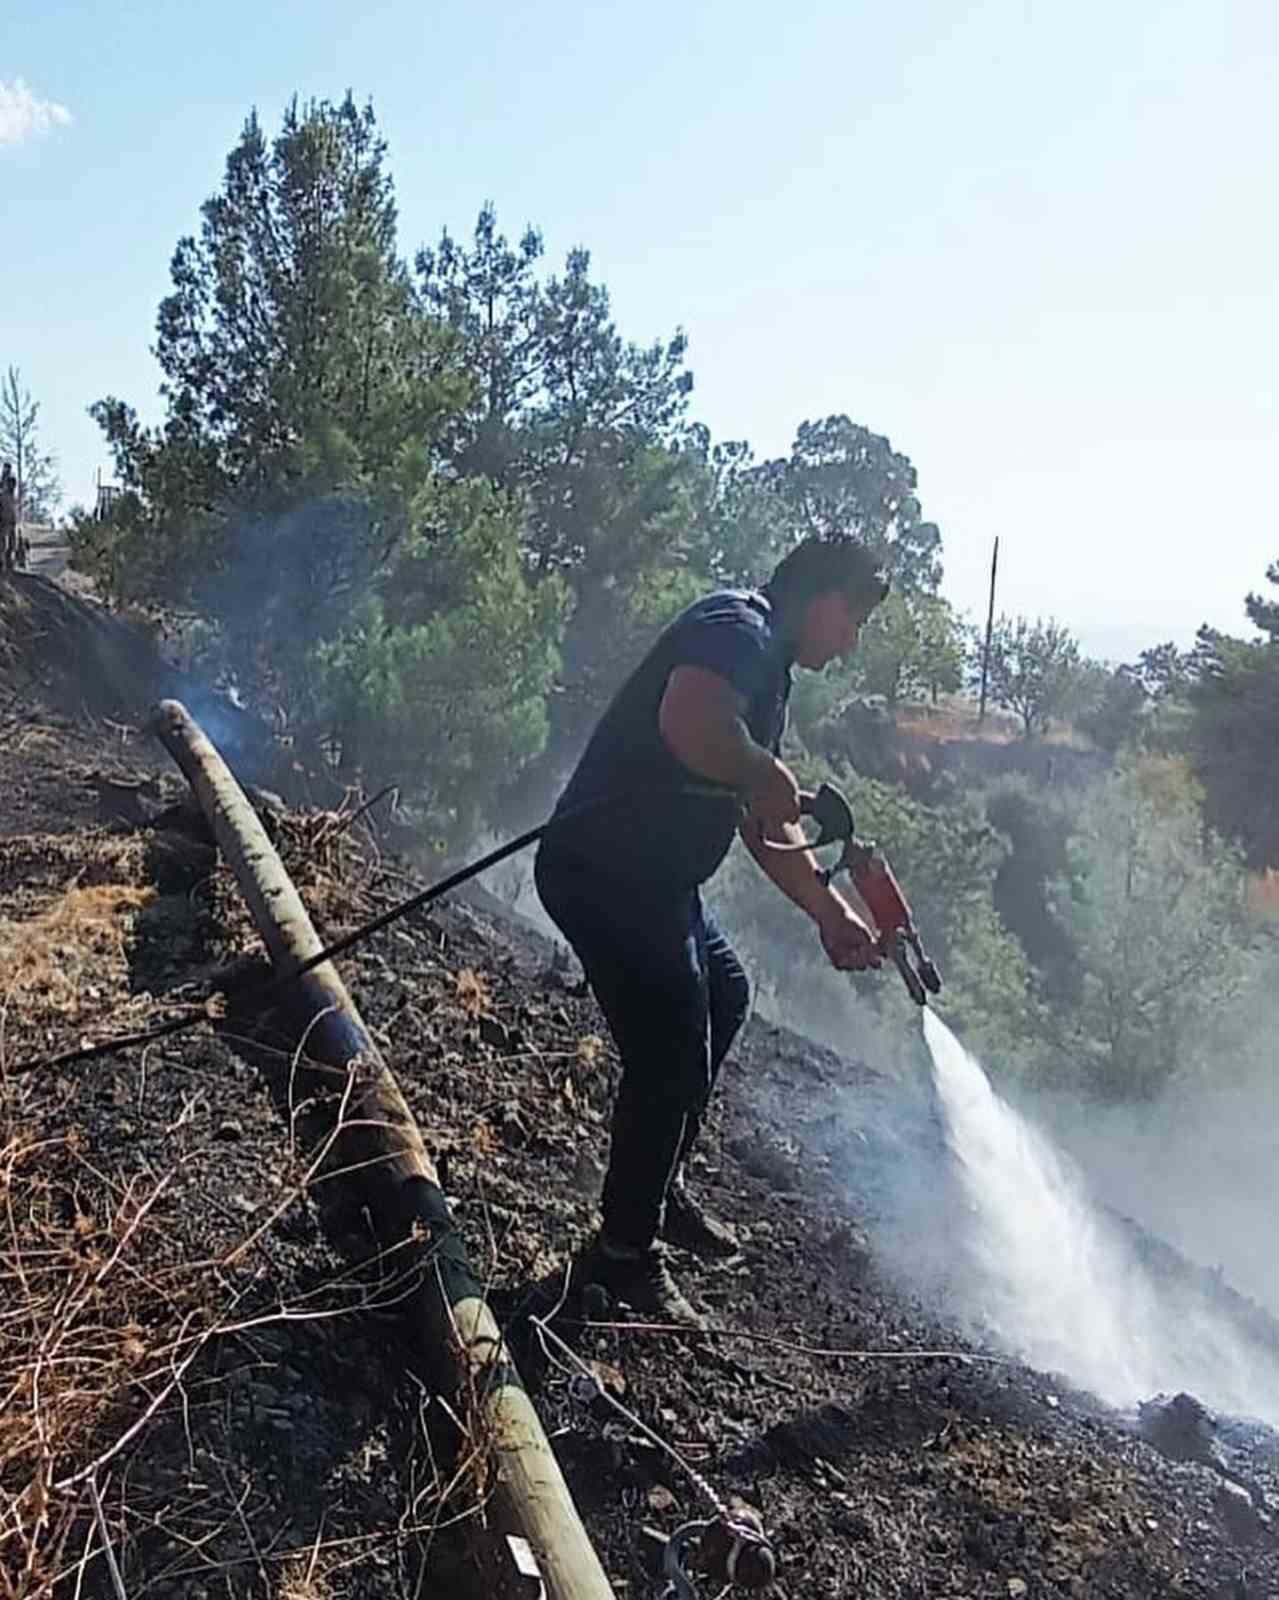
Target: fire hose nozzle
875 883
921 976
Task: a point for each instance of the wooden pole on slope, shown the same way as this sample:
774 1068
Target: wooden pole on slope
379 1145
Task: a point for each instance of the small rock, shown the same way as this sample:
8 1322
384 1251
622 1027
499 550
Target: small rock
507 1118
492 1032
660 1499
1241 1519
1016 1588
597 1305
853 1525
1181 1429
229 1128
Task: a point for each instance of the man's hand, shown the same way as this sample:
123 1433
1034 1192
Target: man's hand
773 796
847 941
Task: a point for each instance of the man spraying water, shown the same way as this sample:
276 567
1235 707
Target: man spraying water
691 743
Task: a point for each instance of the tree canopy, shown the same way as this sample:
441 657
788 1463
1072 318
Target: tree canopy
1033 671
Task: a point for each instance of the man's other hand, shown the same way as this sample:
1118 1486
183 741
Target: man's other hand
847 941
774 797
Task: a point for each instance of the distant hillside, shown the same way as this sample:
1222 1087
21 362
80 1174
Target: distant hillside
934 749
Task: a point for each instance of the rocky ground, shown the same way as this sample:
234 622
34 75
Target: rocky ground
185 1342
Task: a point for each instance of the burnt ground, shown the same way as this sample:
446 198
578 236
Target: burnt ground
165 1261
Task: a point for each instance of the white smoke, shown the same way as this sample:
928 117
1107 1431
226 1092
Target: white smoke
1055 1281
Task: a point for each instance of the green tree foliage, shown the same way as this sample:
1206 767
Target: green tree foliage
742 527
1154 913
1034 670
36 469
588 430
1233 739
302 495
942 647
843 481
912 647
450 697
1164 672
1233 726
1144 704
884 666
1111 705
290 340
1036 823
1263 613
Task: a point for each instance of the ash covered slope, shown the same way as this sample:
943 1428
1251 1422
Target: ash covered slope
63 652
291 1450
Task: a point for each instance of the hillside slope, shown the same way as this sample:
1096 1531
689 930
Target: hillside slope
166 1258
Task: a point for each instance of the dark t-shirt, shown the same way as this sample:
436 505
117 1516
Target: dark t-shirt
646 829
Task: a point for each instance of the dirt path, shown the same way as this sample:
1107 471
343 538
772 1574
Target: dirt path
47 552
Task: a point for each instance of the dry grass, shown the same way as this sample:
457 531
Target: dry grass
92 1324
591 1051
88 1320
51 959
473 992
104 1334
113 1307
956 719
66 940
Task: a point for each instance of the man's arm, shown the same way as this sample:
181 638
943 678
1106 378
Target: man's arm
846 938
700 721
793 871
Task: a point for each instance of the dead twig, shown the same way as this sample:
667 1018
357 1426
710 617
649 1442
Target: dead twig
113 1566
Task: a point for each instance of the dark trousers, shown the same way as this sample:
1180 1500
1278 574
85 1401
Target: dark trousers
674 996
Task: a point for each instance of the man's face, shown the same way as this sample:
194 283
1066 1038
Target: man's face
830 627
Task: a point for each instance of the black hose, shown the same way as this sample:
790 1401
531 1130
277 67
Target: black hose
348 941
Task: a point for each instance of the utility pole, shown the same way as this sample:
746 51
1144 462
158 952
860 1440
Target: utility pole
990 628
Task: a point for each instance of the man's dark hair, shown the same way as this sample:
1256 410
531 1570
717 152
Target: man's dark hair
819 565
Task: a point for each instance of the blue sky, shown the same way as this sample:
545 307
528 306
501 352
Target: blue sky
1034 244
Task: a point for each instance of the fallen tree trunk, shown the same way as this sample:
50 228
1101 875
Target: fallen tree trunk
379 1144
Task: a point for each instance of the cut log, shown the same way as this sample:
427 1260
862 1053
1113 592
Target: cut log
380 1145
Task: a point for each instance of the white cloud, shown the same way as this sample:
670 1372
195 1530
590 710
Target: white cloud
23 114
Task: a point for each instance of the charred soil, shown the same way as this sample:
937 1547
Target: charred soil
190 1332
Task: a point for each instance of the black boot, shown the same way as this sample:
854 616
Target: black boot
691 1228
640 1279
